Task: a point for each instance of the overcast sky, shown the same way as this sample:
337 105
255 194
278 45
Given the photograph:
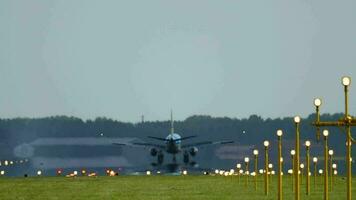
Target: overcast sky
122 59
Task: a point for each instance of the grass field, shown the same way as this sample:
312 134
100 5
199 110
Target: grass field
156 187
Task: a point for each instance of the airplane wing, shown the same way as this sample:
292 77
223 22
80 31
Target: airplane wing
140 144
206 143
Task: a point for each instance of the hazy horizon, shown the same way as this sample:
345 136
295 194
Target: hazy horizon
121 59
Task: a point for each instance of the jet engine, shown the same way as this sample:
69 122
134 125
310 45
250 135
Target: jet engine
153 152
186 157
193 151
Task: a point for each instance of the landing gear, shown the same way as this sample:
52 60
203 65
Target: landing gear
186 157
160 158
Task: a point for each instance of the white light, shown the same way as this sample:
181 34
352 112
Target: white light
232 171
346 81
273 172
238 166
279 133
266 143
241 171
325 133
307 143
253 174
39 173
302 166
75 173
290 171
331 152
281 160
320 171
185 172
216 171
148 173
335 172
334 166
315 159
247 173
270 166
6 162
261 171
2 172
247 159
317 102
297 119
255 152
11 162
226 174
221 172
292 152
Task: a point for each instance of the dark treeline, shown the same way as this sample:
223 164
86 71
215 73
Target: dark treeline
249 132
252 130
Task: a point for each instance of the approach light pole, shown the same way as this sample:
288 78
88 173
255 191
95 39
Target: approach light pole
292 153
307 146
326 192
315 161
331 153
238 166
266 144
347 121
279 135
255 153
247 160
296 164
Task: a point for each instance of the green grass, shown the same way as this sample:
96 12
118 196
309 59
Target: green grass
156 187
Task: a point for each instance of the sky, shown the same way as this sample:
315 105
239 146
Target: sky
124 59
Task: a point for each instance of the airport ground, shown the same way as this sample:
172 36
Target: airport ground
157 187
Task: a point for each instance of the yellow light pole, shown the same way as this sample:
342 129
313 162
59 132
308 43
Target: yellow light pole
292 153
238 166
279 135
270 169
326 192
331 153
296 163
301 172
255 153
334 172
307 146
247 160
346 122
266 144
315 161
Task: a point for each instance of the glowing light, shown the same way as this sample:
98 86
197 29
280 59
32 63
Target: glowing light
2 172
290 171
292 152
255 152
331 152
334 166
266 143
317 102
302 166
112 173
320 171
39 173
297 119
247 160
279 133
75 173
261 171
216 171
325 133
346 81
315 159
238 166
307 143
185 172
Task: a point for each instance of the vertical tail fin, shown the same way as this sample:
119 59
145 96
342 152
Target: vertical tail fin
172 125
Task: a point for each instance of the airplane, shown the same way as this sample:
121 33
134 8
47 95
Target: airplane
173 145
